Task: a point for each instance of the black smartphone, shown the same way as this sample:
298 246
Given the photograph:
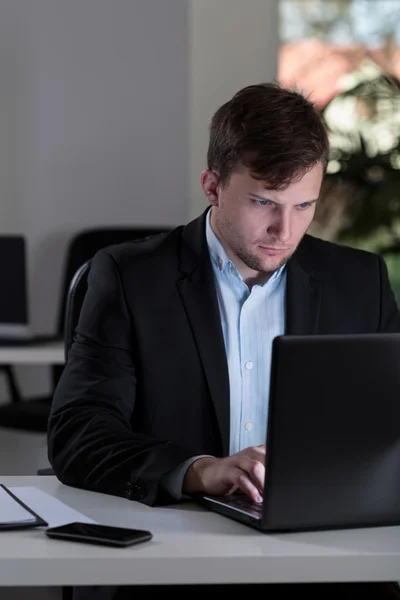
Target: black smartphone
92 533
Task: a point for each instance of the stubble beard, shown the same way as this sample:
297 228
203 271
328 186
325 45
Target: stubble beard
255 263
247 257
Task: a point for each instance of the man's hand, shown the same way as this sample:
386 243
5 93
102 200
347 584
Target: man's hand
243 471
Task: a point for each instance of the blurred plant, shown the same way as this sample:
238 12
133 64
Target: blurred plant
361 194
360 199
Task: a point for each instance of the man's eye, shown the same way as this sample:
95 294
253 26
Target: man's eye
262 202
304 205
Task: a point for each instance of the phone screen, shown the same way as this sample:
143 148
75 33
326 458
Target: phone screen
100 533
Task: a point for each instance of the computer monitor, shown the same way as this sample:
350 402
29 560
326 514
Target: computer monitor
14 315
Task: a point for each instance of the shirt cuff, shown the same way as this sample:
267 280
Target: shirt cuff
173 480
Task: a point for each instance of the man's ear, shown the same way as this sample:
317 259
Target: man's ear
210 185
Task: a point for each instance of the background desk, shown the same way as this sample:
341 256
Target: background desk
33 415
190 545
43 353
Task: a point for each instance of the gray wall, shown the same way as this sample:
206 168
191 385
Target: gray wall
232 43
93 125
93 92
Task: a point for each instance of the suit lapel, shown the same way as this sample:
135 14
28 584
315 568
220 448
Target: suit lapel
197 290
303 300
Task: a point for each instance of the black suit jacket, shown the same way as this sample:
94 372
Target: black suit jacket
146 383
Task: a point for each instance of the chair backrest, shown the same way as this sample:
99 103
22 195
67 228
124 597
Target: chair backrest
75 297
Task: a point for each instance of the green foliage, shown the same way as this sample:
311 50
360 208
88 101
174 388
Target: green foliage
368 177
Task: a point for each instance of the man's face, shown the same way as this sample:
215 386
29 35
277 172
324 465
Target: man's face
260 228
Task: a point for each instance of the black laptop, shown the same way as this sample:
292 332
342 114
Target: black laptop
333 436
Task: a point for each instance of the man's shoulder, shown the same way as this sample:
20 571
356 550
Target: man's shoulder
323 257
149 251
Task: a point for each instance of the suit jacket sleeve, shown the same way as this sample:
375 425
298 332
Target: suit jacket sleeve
389 311
91 440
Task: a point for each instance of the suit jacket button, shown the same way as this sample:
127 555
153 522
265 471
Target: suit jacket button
128 489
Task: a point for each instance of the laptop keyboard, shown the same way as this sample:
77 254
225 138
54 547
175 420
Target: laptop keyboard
242 503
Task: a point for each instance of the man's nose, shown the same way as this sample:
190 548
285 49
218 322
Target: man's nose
281 228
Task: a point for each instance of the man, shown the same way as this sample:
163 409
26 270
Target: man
165 391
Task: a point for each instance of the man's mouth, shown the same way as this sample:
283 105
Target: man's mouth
273 251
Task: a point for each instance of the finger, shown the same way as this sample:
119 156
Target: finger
255 452
259 451
254 469
248 487
237 478
232 490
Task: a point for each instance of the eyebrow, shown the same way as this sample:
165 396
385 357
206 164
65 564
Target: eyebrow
274 201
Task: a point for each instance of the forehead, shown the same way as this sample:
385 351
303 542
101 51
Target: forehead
309 184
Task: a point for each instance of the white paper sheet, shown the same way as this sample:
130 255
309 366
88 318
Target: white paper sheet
11 512
49 508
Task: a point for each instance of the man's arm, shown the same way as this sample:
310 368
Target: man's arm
173 481
90 439
389 311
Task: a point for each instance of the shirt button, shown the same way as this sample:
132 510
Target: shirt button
248 425
249 365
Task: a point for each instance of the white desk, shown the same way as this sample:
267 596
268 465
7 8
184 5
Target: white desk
189 545
43 353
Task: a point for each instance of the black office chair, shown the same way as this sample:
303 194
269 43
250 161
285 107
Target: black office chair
75 297
33 414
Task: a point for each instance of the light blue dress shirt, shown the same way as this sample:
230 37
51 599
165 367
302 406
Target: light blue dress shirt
250 321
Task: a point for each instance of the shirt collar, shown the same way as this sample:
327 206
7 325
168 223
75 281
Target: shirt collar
218 253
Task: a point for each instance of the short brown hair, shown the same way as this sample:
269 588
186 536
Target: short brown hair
274 131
